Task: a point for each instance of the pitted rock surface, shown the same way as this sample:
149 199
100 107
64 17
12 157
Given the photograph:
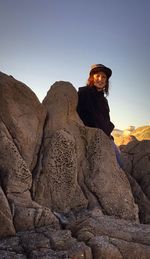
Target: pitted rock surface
65 178
57 186
77 161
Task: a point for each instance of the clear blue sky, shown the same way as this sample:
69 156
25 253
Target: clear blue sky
43 41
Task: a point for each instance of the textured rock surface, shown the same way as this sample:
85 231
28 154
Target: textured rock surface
88 236
6 220
139 156
56 177
77 162
19 140
112 238
136 157
65 179
23 115
44 243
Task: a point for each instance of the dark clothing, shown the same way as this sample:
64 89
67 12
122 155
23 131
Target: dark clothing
93 109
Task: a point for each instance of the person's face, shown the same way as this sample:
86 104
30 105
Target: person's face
100 80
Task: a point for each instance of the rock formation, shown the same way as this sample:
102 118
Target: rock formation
21 128
77 162
136 160
61 185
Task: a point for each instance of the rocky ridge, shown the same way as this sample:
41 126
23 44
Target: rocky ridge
62 192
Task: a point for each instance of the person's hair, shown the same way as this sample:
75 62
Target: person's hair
90 83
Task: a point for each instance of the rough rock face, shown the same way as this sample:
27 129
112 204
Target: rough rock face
44 243
17 156
77 162
88 236
136 158
65 179
6 222
112 238
23 116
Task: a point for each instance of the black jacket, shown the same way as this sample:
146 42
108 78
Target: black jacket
93 109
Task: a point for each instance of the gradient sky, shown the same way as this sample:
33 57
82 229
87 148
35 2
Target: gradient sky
44 41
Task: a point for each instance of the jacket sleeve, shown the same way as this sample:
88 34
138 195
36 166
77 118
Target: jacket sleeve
80 107
103 119
111 125
108 125
83 109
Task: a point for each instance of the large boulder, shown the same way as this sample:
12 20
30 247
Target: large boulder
20 137
78 166
23 115
55 182
136 162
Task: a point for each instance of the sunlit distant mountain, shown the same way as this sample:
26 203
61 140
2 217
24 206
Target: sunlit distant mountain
142 133
123 136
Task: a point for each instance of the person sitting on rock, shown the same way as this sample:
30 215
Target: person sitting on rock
93 107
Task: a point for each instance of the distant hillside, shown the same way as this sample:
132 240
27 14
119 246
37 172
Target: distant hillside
141 133
117 132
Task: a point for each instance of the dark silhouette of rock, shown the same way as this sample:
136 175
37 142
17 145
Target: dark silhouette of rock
63 176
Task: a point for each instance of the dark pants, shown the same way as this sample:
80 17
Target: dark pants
118 155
